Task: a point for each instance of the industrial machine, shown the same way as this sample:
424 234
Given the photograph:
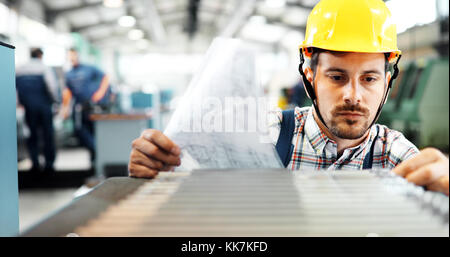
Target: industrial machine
396 94
145 102
419 104
9 192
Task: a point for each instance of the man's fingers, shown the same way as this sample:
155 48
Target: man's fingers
429 168
426 156
427 174
142 159
168 168
159 139
139 171
154 152
440 185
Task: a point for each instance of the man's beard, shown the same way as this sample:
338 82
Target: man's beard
358 127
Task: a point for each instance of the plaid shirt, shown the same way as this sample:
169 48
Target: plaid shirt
314 150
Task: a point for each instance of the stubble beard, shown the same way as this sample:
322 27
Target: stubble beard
349 128
343 131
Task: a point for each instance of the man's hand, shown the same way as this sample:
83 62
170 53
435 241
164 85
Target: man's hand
97 96
152 152
64 113
430 168
101 91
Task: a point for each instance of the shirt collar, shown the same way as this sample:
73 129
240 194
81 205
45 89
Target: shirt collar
316 137
79 65
367 142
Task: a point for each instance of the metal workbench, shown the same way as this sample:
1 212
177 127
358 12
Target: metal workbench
64 221
258 202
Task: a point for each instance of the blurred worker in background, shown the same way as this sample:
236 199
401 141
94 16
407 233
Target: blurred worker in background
293 97
88 86
37 90
283 100
299 97
346 63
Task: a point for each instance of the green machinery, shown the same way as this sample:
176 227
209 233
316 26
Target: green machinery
418 104
9 192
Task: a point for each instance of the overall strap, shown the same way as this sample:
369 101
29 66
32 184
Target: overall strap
284 144
368 159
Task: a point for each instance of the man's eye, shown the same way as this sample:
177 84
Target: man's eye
335 77
369 79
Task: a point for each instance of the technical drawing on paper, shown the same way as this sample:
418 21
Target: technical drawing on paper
228 72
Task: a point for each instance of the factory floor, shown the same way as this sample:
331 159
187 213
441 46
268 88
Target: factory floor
37 203
66 159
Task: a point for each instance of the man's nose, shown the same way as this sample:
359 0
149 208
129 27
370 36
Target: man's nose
352 92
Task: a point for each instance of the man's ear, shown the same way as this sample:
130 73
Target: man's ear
388 77
309 74
388 80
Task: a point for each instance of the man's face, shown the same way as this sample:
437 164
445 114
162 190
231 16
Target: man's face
73 58
349 89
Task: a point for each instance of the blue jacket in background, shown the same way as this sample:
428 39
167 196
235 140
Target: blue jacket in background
36 84
83 80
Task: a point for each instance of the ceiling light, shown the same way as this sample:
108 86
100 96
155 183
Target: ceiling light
135 34
127 21
112 3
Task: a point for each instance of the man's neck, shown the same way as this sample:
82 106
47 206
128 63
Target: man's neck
342 144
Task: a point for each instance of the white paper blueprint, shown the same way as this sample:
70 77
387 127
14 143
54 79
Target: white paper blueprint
220 121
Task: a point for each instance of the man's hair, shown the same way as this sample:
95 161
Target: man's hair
73 49
315 58
36 53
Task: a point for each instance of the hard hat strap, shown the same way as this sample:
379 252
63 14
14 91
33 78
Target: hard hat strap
310 88
387 91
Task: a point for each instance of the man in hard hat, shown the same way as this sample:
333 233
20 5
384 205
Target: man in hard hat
349 51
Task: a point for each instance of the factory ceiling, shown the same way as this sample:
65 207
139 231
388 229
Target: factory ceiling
163 22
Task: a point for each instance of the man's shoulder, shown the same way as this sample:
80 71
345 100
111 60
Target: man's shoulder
70 71
302 112
389 134
396 144
89 67
299 112
30 68
276 116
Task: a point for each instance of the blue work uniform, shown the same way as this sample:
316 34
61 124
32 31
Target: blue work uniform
83 81
37 90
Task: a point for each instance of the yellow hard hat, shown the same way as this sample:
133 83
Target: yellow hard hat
352 26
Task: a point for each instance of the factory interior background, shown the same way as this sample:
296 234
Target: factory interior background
150 50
